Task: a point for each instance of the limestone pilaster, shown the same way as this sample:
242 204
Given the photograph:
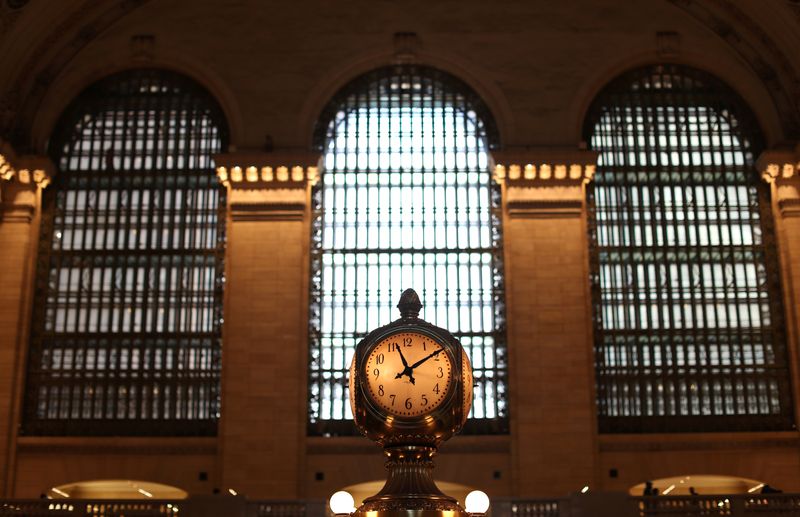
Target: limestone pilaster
780 168
22 179
549 327
262 434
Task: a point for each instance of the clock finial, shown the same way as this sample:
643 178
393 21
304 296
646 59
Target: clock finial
409 304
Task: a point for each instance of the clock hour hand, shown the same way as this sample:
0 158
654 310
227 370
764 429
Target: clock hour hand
402 358
426 358
407 370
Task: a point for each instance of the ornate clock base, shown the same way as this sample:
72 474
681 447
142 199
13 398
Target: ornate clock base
410 490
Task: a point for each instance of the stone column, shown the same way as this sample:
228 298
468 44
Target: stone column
553 420
264 381
781 169
21 182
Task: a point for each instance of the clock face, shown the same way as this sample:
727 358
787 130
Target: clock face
408 374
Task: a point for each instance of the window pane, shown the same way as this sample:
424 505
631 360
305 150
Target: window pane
126 332
689 329
406 200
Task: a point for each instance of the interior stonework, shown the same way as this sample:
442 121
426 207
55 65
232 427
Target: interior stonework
273 67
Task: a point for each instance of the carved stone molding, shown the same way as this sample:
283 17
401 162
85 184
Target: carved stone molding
544 183
21 177
267 186
781 169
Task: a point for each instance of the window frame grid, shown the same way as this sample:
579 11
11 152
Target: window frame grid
694 91
137 114
364 91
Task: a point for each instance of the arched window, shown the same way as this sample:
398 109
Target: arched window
689 331
128 307
406 200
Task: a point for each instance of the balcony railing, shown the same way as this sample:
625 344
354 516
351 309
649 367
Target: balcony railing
577 505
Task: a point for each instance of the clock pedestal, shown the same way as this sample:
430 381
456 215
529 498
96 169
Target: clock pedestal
410 390
410 486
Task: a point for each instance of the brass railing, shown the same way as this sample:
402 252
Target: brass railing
577 505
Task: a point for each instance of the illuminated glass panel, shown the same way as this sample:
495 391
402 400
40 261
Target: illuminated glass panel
406 200
128 308
689 332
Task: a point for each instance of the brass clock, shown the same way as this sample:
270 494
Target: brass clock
410 389
410 381
408 374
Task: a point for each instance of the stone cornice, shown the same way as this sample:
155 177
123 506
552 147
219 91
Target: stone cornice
778 165
544 167
266 186
280 169
31 170
544 183
781 169
21 178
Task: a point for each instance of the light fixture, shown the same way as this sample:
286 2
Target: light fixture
476 502
342 503
585 489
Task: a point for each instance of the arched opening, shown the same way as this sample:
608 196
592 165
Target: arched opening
701 484
125 489
126 330
689 324
406 200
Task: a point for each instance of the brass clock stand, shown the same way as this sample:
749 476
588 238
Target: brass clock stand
410 389
409 487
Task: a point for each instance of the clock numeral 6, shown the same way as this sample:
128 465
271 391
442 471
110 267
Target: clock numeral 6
380 390
408 403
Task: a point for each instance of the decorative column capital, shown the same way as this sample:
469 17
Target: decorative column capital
776 165
781 169
267 185
544 182
21 178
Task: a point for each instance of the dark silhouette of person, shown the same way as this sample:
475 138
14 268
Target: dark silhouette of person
655 491
648 488
692 491
766 489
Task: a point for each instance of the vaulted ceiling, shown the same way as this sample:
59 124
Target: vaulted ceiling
275 61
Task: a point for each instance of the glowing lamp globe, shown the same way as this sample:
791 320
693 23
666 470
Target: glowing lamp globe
476 502
342 503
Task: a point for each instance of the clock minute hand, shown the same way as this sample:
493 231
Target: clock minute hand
426 358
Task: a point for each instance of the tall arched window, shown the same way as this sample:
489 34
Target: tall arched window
689 331
406 200
128 303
